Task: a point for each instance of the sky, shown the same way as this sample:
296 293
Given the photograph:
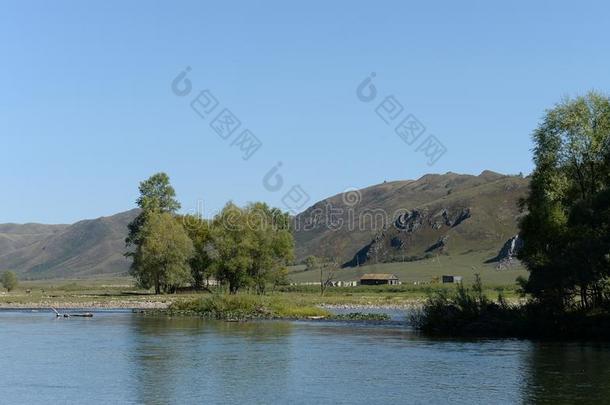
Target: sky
91 104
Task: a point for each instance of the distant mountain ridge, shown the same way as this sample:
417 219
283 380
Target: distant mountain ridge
86 248
448 214
15 236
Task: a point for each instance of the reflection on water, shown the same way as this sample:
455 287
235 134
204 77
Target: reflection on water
129 358
563 373
192 359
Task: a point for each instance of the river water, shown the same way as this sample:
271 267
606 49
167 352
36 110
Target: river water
120 357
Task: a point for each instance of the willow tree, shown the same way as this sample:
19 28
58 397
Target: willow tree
232 247
200 232
158 205
566 230
273 247
156 196
252 246
163 256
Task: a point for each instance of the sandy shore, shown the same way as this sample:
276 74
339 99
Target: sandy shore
87 305
126 304
145 302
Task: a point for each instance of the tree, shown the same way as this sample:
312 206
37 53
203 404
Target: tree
273 243
232 245
311 263
251 244
566 230
156 196
162 258
279 277
200 233
9 280
327 274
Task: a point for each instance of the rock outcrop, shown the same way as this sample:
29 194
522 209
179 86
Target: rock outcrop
413 220
508 253
396 243
439 246
404 220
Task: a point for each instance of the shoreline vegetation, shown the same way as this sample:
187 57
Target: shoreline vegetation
470 313
231 307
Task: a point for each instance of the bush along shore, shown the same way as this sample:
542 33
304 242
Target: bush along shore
242 307
469 313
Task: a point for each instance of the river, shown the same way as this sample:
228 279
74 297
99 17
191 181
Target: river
120 357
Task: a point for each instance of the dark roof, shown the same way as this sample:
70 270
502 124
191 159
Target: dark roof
379 276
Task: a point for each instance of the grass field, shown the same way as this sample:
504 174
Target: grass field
423 271
117 292
416 277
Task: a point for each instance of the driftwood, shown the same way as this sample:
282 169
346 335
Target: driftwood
83 315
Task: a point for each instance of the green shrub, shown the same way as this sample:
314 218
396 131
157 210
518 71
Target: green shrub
9 280
244 306
359 316
466 311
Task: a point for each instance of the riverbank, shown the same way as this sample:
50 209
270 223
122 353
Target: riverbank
144 302
121 294
130 300
95 304
470 313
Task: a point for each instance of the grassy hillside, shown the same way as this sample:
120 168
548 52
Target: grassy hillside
86 248
466 265
468 213
14 236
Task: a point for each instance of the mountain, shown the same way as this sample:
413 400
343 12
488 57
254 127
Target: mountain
448 214
14 236
86 248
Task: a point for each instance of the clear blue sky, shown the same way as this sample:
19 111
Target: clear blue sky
87 110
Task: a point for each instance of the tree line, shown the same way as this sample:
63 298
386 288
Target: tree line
241 247
566 229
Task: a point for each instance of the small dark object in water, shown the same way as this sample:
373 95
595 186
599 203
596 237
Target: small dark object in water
84 315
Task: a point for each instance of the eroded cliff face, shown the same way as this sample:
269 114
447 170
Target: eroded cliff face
449 214
507 256
413 235
411 221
